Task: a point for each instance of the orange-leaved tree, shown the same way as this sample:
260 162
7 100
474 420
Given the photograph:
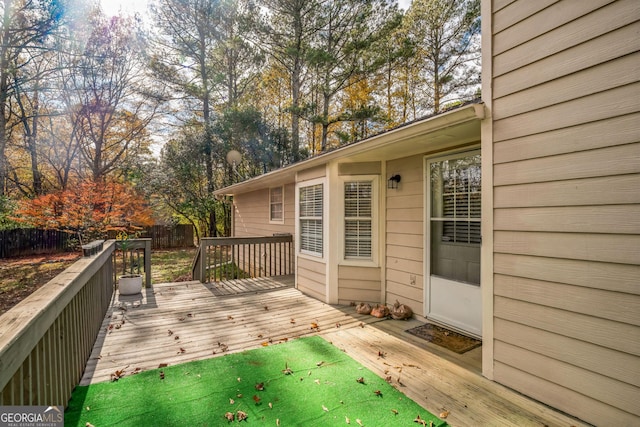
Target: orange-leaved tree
89 209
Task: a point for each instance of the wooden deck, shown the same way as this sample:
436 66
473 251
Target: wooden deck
179 322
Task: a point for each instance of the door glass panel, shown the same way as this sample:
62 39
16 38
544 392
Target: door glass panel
455 218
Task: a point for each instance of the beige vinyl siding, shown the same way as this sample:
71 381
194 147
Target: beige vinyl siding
405 235
251 213
358 284
311 278
566 152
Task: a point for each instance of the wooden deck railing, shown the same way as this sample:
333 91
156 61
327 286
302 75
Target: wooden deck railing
136 258
46 340
227 258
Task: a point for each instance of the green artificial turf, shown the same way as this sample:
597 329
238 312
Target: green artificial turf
323 389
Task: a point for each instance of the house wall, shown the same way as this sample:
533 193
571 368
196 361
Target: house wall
566 214
405 234
358 284
311 278
251 213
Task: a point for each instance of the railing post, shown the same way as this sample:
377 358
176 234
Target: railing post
203 258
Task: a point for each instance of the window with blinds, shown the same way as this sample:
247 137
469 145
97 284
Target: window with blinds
276 204
456 199
311 219
358 219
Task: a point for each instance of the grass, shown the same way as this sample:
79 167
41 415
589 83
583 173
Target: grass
20 277
171 265
304 382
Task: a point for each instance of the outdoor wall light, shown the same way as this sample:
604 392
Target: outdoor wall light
393 181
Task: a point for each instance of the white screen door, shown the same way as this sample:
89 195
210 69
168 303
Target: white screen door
453 200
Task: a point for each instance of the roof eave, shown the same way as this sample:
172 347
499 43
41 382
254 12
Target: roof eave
461 115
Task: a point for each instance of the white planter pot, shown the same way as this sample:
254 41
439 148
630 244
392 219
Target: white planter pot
130 284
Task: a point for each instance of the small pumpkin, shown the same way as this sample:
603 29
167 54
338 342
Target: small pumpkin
380 311
401 311
363 308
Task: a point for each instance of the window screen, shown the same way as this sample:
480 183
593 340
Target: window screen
311 219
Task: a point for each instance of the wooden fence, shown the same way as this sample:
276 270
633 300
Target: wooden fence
165 237
34 241
46 340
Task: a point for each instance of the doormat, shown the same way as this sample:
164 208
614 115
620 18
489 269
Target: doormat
445 338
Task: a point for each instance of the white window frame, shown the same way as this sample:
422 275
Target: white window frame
271 219
323 218
372 261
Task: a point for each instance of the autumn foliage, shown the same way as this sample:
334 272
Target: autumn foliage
89 209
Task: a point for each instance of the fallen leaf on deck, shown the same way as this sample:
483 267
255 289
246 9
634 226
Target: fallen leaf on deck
169 332
260 336
266 308
444 414
256 399
181 318
325 409
395 411
260 386
287 370
88 424
230 317
189 315
317 382
231 401
361 325
359 422
381 354
278 422
420 421
162 365
314 325
182 350
347 420
176 337
241 415
265 344
229 416
115 376
378 393
360 380
293 321
270 405
320 364
338 325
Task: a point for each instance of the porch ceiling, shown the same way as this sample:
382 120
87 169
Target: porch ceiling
453 128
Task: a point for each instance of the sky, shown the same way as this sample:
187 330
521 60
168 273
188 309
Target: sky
111 7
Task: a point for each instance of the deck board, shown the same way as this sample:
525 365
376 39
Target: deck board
269 311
